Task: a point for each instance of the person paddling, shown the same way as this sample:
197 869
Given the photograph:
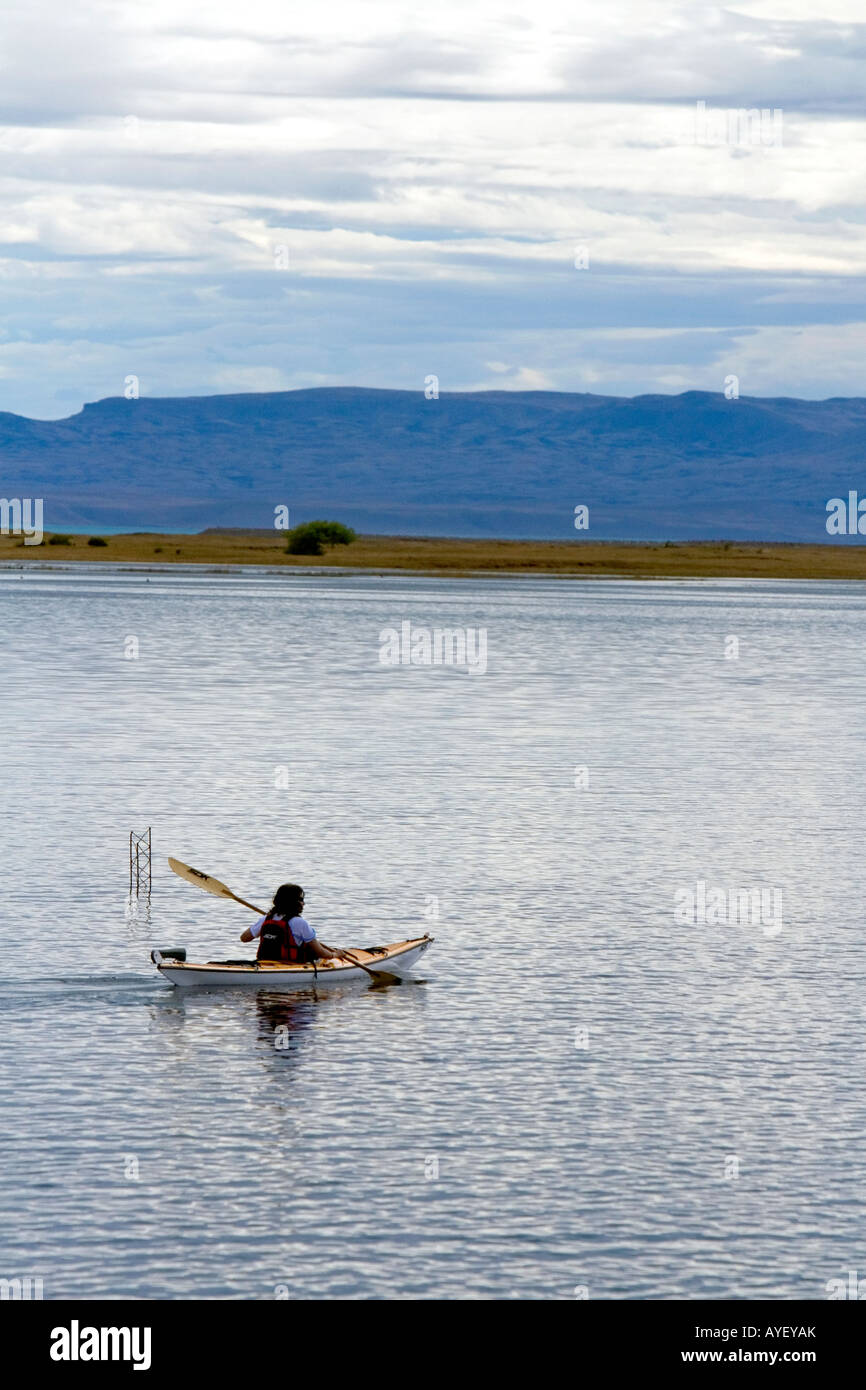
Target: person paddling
283 933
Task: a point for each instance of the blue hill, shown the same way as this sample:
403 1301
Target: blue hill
496 463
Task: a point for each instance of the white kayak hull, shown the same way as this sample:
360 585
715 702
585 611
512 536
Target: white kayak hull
397 958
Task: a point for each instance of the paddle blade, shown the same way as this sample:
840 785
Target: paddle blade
205 881
379 977
382 978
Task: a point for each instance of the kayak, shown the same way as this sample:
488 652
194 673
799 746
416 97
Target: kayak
397 958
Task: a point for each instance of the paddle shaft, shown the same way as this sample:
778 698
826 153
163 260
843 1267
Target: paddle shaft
252 907
374 974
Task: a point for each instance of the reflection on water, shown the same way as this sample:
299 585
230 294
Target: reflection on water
282 1020
273 1024
582 1090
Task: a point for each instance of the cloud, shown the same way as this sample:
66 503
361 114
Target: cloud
428 174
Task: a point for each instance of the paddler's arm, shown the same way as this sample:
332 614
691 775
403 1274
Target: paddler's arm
252 932
320 949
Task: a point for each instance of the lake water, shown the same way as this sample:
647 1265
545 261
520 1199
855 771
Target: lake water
582 1093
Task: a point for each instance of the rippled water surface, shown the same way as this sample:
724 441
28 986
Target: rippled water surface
578 1091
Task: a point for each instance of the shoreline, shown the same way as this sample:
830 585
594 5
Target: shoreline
227 552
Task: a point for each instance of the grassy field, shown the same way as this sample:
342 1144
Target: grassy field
432 555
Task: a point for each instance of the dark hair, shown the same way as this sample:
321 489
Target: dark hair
289 898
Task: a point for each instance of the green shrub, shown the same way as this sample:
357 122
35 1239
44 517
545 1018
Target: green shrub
97 540
304 542
59 540
313 536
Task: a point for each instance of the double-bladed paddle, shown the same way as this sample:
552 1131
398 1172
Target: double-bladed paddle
219 890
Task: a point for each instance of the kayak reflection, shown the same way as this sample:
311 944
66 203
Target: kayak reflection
273 1022
281 1018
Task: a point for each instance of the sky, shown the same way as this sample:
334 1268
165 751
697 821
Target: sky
265 196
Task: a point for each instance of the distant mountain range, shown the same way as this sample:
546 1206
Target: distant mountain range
488 463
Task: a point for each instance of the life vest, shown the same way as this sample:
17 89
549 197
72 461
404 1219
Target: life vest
277 942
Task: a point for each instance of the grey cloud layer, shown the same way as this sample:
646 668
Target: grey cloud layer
428 175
